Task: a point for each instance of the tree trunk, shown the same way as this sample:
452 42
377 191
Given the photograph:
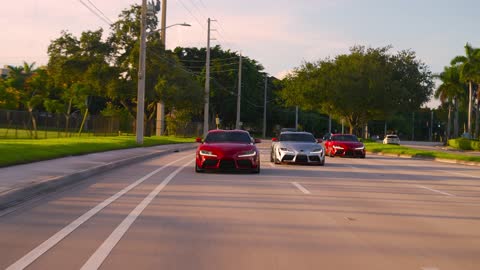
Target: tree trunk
469 120
449 119
477 116
455 119
34 123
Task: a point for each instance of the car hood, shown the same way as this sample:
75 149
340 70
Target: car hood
227 148
348 144
301 146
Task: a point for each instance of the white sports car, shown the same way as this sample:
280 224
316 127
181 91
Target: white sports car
297 147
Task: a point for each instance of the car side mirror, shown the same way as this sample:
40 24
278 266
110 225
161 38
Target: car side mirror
274 140
198 140
319 140
258 141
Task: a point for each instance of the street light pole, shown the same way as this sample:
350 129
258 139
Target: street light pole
160 127
239 95
265 108
207 84
141 76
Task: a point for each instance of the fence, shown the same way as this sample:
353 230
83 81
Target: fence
42 125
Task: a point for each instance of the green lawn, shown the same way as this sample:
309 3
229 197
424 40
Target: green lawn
402 150
23 151
41 134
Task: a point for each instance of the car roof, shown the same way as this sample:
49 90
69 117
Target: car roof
392 135
227 130
343 134
295 132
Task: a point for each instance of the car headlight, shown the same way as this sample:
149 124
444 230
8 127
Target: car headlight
207 153
360 148
250 153
338 147
284 149
316 151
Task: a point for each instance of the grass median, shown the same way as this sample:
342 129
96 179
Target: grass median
403 150
24 151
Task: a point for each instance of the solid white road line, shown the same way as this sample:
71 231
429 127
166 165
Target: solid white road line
434 190
104 250
461 174
56 238
301 188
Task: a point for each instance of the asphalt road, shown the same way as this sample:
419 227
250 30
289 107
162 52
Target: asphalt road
373 213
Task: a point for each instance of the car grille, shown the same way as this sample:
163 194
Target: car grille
314 158
301 158
210 162
244 163
288 158
227 164
349 153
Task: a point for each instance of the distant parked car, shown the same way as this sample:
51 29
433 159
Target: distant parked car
391 139
344 145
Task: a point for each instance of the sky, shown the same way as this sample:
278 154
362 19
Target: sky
279 34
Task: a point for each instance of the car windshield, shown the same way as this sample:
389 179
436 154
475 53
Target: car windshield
392 136
297 137
345 138
221 137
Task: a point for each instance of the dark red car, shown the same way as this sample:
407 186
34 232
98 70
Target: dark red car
229 150
344 145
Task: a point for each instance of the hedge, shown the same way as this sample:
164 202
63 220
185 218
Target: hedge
464 144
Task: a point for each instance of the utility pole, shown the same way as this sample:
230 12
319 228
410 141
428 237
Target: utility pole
469 120
239 95
296 118
141 76
207 84
160 126
343 127
265 108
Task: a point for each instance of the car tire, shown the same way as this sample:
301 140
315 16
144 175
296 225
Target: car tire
362 156
197 169
256 171
271 156
322 163
330 154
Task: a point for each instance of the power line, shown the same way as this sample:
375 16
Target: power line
193 15
95 13
101 12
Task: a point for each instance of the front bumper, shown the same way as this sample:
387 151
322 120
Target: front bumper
301 157
348 152
228 163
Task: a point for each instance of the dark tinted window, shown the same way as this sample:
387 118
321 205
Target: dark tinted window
297 137
345 138
237 137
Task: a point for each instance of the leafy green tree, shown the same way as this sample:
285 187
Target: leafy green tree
30 86
364 85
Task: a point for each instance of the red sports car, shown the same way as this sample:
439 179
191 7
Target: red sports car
227 150
344 145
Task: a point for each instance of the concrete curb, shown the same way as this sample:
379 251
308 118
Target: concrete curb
451 161
23 193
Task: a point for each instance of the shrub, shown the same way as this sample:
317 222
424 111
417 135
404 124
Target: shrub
464 144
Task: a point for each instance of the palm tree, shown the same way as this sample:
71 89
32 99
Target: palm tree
21 79
469 70
449 92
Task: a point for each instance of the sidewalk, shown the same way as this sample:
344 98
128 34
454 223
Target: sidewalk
21 182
